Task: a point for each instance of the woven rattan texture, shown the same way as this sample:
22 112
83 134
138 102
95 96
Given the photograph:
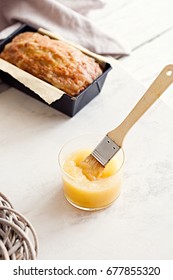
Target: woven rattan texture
18 240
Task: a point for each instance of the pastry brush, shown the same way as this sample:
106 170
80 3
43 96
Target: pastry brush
93 165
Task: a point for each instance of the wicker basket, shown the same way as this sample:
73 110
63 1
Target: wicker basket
18 240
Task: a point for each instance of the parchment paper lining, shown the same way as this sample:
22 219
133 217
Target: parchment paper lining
46 91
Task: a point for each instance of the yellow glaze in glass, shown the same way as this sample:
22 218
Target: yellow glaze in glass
86 194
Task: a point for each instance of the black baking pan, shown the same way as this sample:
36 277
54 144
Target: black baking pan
66 104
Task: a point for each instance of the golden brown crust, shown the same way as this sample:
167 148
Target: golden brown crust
53 61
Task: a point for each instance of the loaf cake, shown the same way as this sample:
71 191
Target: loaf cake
53 61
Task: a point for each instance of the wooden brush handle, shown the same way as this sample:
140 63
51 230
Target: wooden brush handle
160 84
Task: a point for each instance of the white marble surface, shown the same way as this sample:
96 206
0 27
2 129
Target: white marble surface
147 28
139 225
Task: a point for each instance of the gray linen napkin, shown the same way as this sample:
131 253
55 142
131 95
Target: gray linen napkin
54 16
83 6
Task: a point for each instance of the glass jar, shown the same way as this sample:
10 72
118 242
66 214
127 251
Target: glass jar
78 190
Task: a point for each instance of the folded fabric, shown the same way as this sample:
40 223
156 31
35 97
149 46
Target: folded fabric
83 6
53 15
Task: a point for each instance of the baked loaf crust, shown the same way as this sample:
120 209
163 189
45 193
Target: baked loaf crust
53 61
